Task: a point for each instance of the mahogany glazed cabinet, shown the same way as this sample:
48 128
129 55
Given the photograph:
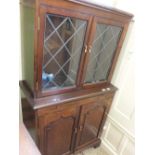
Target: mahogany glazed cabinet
69 49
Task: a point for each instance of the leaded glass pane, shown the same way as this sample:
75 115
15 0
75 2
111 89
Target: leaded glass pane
63 42
103 48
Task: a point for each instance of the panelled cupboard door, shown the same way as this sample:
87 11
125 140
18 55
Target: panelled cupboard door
58 132
91 119
102 50
62 38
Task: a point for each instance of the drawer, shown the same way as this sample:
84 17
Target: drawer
55 108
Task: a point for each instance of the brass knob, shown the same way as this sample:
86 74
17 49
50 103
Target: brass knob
90 48
85 49
108 89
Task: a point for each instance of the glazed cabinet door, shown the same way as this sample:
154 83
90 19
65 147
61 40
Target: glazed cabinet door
91 120
58 131
105 43
63 36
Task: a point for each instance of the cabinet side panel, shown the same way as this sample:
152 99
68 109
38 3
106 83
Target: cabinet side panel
27 44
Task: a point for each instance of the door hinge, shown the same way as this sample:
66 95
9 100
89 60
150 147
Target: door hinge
38 23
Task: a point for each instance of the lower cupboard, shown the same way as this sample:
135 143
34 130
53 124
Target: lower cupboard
69 127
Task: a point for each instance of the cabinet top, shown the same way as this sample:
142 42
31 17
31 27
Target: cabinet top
102 7
32 3
37 103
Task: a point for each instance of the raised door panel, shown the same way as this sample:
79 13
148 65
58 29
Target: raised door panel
91 118
58 132
58 136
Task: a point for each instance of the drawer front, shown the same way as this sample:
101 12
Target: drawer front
53 108
107 100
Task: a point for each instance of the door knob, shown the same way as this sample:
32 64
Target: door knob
90 48
85 49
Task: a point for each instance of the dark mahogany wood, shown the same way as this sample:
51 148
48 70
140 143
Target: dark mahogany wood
37 103
91 117
117 52
58 132
82 10
100 20
78 122
28 114
103 8
65 12
70 120
82 63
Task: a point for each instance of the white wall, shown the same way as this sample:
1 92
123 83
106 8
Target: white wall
103 2
118 136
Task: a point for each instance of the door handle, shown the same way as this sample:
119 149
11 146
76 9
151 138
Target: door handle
85 49
90 48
